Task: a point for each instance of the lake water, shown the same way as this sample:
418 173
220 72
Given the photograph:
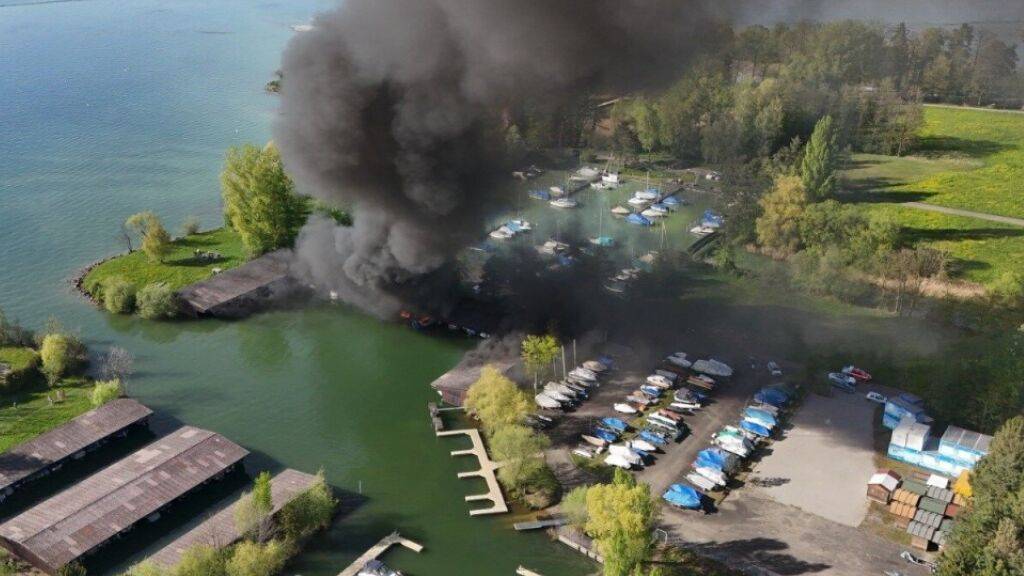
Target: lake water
112 107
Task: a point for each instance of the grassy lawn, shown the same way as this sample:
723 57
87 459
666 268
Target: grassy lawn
179 269
969 159
25 415
17 357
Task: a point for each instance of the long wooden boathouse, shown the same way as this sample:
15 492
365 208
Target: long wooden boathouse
239 291
76 522
48 452
220 530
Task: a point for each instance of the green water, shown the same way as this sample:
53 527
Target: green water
111 107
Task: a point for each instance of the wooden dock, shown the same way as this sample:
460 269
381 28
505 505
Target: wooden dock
378 550
486 471
526 572
538 524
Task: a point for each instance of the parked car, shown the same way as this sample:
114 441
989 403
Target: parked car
842 381
774 369
876 397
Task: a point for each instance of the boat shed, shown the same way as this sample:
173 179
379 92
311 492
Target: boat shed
240 291
220 530
453 385
48 452
79 520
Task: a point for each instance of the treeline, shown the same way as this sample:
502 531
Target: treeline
752 91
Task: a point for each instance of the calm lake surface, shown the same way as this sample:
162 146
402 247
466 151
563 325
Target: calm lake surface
108 108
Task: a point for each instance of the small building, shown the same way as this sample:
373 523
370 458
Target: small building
78 521
242 290
882 485
49 451
912 443
453 385
921 535
963 445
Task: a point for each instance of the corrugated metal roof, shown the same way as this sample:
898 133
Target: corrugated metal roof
219 530
78 434
237 282
921 530
940 494
932 505
915 487
928 518
884 480
70 524
967 439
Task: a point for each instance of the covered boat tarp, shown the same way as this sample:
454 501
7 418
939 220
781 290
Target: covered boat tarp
717 459
755 428
713 367
682 496
545 401
653 438
639 220
606 435
772 396
711 219
760 416
540 195
671 201
615 424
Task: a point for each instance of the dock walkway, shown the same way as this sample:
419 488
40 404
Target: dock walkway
486 471
378 550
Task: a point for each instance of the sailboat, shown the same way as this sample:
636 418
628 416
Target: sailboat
601 239
564 203
621 210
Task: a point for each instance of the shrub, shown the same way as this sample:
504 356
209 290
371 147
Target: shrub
253 559
23 363
148 568
310 511
56 356
190 226
201 560
104 391
157 300
118 295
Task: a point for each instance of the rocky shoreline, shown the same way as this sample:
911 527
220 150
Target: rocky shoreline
78 279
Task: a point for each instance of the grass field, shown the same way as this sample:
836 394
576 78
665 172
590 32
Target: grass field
968 159
25 415
17 357
179 269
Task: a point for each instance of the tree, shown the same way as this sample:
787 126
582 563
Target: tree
496 401
310 511
574 506
104 391
56 355
986 539
117 364
157 300
253 513
620 517
818 170
520 450
201 560
778 228
118 295
137 224
254 559
259 199
829 223
538 353
157 242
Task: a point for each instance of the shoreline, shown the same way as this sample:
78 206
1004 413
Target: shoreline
77 280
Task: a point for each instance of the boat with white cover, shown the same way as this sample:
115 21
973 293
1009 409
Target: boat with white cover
623 408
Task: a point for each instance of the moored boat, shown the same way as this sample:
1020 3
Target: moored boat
564 203
623 408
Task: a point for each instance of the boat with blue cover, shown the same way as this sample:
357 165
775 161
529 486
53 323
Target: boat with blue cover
615 424
540 194
639 220
671 201
653 437
759 415
606 435
755 428
682 496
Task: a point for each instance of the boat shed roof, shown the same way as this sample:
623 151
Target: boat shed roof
220 529
51 447
235 283
70 524
965 439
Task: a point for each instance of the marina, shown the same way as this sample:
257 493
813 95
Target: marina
486 471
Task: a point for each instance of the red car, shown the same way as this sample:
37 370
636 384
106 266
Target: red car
859 374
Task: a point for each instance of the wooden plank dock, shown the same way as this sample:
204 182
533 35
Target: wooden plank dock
378 550
486 471
539 523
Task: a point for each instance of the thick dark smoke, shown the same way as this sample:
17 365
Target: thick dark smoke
394 107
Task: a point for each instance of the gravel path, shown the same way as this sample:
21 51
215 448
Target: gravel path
966 213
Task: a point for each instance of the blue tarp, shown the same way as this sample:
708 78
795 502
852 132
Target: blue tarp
615 424
717 459
653 438
540 195
772 396
606 435
761 415
638 219
682 496
755 428
671 201
711 219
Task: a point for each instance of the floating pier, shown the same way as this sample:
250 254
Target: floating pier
526 572
486 471
378 550
541 523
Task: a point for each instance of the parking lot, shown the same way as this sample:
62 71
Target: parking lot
825 459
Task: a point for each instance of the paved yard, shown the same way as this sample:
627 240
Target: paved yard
823 464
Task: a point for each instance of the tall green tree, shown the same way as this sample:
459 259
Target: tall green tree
620 517
538 353
253 513
520 450
821 160
496 401
986 540
778 227
259 199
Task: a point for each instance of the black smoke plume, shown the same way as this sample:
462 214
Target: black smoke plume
393 108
